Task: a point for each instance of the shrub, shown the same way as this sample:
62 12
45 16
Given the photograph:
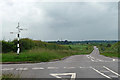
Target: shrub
7 46
25 44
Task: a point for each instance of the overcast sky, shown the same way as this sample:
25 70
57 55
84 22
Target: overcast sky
60 20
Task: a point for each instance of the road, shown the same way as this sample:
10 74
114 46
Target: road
92 66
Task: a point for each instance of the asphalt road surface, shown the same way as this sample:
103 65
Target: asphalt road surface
94 66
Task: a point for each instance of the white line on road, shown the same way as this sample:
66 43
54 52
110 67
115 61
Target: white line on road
36 68
53 68
69 67
113 59
111 70
92 60
73 75
92 57
100 60
87 56
85 67
101 73
22 69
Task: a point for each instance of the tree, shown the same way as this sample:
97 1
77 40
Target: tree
7 46
108 45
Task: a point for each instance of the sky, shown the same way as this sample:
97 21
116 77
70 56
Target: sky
59 20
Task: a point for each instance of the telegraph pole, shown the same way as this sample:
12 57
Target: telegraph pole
18 37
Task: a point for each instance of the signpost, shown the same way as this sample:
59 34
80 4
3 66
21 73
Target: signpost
18 37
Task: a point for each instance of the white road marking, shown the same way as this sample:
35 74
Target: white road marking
53 68
22 69
81 67
87 56
99 60
85 67
92 60
113 59
101 73
92 57
95 60
111 70
6 69
73 75
36 68
69 67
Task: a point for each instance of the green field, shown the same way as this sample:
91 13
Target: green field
38 51
45 55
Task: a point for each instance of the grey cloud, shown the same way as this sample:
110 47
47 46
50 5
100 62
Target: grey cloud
73 21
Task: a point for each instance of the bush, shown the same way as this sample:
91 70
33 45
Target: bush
7 46
25 44
50 45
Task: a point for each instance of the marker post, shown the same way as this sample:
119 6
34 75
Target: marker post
18 37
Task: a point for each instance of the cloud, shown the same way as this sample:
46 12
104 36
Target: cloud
55 20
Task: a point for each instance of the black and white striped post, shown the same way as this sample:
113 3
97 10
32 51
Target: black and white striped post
18 45
18 38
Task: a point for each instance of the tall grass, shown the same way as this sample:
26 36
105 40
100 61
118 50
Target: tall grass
40 55
10 76
111 51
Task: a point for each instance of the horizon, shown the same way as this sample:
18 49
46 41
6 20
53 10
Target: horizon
66 39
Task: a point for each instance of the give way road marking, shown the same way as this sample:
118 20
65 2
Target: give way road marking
73 75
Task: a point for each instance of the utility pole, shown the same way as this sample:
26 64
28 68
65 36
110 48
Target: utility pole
18 37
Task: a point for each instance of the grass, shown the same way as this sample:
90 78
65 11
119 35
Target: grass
10 76
108 54
111 51
45 55
81 47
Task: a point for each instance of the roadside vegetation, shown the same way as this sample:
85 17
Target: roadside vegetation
109 49
10 76
38 51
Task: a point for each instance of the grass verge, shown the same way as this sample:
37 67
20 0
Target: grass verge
108 54
113 50
41 55
10 76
